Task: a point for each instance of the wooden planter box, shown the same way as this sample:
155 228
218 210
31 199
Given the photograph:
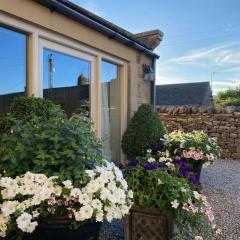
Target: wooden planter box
148 224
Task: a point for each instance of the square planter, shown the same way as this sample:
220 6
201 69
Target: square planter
148 224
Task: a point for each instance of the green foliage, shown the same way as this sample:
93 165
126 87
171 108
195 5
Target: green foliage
144 131
52 144
157 188
230 97
26 108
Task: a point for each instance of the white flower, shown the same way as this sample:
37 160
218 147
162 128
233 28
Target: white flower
9 207
159 182
206 164
208 147
90 173
130 193
149 151
99 216
84 199
24 223
68 184
162 159
151 159
86 211
198 238
196 195
75 192
175 203
183 189
96 204
6 182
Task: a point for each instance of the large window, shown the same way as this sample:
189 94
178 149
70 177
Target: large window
66 80
13 47
110 111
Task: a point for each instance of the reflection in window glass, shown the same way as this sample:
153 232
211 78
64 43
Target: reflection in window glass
110 111
12 67
66 80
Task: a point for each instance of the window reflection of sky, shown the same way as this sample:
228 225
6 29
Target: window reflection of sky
12 61
109 71
67 69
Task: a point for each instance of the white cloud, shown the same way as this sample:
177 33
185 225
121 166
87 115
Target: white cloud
224 54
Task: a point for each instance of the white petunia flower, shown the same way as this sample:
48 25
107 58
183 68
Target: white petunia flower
68 184
175 203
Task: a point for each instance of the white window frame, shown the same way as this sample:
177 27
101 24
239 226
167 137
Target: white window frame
39 37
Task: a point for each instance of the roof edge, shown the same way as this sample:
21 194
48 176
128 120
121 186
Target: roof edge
75 12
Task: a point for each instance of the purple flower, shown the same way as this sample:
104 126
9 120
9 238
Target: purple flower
184 171
150 166
132 163
157 148
194 180
162 165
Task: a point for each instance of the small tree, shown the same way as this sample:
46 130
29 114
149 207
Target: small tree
229 97
144 131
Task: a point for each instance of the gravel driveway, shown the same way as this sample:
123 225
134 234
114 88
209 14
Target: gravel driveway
221 183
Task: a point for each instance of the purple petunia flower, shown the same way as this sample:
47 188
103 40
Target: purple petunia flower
194 180
157 148
150 166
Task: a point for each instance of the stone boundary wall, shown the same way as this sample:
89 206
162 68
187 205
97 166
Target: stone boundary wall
222 124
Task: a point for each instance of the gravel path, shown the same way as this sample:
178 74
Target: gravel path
221 183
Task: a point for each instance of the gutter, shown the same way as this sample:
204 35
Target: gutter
68 9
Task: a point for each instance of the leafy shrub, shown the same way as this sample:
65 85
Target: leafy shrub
25 108
144 131
54 146
230 97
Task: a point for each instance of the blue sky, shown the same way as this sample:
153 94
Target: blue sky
200 36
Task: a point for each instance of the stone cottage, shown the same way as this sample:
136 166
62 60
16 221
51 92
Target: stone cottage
58 50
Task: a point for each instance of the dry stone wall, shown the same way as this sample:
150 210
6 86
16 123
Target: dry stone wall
222 124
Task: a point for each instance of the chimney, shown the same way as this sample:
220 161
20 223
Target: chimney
150 38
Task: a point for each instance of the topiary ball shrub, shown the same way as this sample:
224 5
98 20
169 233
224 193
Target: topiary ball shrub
26 108
143 132
56 146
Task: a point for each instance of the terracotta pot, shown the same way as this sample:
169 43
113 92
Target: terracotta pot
148 224
58 228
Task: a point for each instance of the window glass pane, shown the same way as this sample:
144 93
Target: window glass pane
110 111
12 67
66 80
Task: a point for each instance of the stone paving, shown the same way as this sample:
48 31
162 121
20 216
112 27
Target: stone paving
221 183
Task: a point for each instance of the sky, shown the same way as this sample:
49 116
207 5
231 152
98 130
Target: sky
201 37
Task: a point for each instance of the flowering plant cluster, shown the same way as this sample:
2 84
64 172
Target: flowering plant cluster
30 198
173 165
195 145
154 187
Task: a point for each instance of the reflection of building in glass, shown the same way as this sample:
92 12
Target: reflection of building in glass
70 98
6 100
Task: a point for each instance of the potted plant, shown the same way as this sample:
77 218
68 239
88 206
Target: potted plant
54 181
34 205
165 205
196 147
